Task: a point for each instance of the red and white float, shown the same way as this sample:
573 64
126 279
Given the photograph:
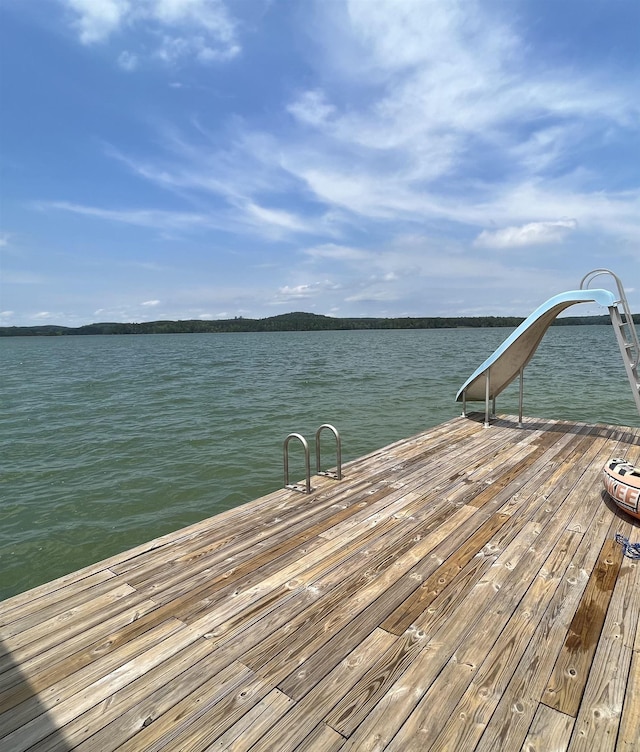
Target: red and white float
622 483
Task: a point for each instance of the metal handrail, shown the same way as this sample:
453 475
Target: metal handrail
338 474
628 316
294 486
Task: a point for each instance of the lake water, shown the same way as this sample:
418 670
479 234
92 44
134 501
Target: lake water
107 442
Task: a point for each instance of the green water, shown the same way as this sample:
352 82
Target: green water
107 442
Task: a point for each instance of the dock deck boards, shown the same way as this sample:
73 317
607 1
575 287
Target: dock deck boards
458 590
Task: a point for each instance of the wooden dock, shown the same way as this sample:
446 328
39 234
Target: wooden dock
458 590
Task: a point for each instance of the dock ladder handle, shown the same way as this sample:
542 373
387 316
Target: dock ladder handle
338 474
632 344
307 463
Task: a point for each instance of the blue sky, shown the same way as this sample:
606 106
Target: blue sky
178 159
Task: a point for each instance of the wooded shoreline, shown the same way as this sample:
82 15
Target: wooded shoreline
290 322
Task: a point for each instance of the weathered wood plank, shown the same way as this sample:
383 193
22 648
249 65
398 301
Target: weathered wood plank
166 729
470 716
31 724
570 674
605 692
475 624
253 725
493 637
629 731
128 709
421 603
417 602
550 730
62 610
322 739
292 729
519 703
67 625
392 663
54 664
341 607
42 605
278 532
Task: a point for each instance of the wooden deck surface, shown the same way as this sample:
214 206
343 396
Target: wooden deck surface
458 590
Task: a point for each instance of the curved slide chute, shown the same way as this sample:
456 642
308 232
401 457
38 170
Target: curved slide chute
509 360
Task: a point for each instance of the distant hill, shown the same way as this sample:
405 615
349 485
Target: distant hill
288 322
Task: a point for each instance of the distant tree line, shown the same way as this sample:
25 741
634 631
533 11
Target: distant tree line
292 322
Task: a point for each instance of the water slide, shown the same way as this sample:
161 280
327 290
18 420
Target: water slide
509 360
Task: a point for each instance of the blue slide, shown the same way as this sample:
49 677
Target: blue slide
517 350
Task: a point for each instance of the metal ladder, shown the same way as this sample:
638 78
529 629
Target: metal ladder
624 328
337 475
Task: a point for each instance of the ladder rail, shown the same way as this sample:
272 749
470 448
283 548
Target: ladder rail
338 473
630 345
630 367
307 464
624 328
307 489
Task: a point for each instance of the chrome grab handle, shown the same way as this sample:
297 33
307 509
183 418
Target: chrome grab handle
338 474
293 486
327 473
634 344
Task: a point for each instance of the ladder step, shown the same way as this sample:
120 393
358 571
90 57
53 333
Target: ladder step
625 330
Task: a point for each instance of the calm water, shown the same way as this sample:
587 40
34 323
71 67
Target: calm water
107 442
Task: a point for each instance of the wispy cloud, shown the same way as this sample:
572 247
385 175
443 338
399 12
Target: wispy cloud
426 117
128 61
278 218
457 130
175 30
303 292
533 233
394 155
151 218
333 252
95 20
312 108
239 177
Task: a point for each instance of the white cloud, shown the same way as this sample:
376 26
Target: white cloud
420 119
334 252
435 95
296 293
277 218
441 92
533 233
128 61
208 14
6 314
373 296
97 19
614 213
187 29
151 218
306 291
312 108
150 303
